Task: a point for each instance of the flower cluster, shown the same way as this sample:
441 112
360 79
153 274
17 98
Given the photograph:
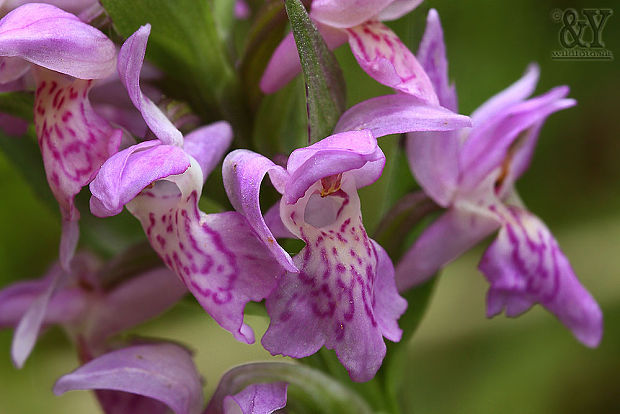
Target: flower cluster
102 122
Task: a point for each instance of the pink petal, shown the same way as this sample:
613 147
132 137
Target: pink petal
492 143
284 64
432 57
72 6
335 299
12 126
12 68
451 235
346 13
243 173
49 37
397 9
130 60
385 58
525 266
218 256
127 173
164 372
355 151
242 10
257 399
74 143
134 302
399 113
208 144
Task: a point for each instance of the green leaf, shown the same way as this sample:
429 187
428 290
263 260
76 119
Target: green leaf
325 87
18 104
186 45
264 36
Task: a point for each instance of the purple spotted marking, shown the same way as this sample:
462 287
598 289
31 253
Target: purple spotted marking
73 139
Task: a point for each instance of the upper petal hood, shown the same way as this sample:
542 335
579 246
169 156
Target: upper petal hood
128 172
355 151
57 40
164 372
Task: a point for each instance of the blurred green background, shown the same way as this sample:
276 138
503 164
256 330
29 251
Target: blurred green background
459 361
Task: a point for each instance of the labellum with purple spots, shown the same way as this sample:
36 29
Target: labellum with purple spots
217 256
339 290
65 55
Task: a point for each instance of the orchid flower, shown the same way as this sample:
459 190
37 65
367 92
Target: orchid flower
471 173
339 290
166 375
89 311
376 47
217 256
65 55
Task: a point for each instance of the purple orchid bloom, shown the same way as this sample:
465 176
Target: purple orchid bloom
217 256
165 373
65 55
471 173
89 312
376 47
339 290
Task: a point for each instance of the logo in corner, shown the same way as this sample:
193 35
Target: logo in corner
581 35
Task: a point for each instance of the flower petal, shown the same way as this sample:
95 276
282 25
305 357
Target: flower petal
492 144
243 173
13 126
242 10
74 143
208 144
164 372
72 6
397 9
27 330
386 59
56 40
399 113
127 173
433 160
432 57
512 95
130 60
284 64
12 68
389 304
257 399
355 151
524 265
133 302
218 256
335 298
451 235
346 13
